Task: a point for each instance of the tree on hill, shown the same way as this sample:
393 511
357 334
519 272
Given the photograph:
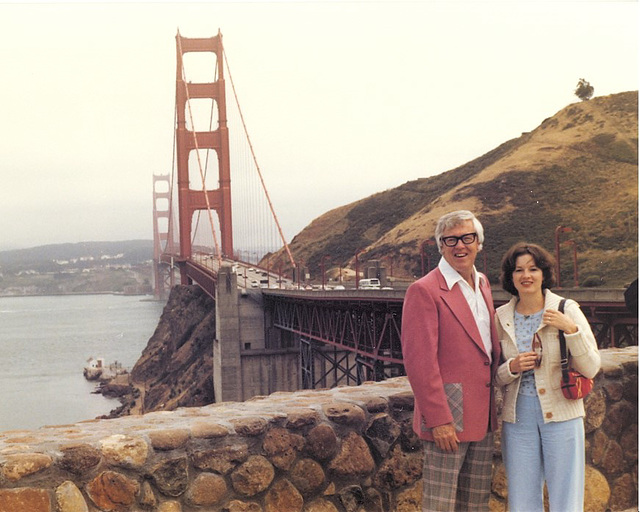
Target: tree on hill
584 90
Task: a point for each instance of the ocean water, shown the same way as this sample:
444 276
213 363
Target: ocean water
44 346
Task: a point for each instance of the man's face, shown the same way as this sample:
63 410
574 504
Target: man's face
461 256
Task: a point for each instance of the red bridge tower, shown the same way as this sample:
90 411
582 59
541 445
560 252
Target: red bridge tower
191 200
162 273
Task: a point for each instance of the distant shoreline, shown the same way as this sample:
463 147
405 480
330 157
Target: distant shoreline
2 296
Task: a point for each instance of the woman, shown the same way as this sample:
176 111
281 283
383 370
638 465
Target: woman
542 431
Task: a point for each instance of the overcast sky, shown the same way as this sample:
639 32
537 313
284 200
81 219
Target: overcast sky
341 99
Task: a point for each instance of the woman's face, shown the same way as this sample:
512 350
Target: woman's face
527 277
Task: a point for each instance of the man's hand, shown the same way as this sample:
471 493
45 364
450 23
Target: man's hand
446 438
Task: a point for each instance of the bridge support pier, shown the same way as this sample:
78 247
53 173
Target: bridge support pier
246 361
227 364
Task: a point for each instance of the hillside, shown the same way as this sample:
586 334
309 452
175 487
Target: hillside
87 267
578 169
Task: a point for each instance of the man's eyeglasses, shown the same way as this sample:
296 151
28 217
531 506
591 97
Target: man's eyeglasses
452 241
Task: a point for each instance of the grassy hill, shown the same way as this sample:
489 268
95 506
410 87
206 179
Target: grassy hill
83 254
87 267
578 169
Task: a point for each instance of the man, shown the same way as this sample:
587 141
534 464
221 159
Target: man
451 352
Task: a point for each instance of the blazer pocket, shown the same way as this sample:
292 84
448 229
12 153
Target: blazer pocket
454 398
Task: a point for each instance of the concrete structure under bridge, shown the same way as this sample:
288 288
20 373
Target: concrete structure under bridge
272 340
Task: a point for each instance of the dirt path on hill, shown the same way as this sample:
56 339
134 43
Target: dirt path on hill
137 404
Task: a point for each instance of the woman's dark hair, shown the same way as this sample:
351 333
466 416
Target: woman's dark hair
544 261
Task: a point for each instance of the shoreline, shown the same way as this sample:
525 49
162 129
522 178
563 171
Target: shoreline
73 294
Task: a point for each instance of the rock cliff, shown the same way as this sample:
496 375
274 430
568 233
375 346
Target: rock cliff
176 367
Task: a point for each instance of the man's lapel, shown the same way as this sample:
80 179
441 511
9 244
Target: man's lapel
458 305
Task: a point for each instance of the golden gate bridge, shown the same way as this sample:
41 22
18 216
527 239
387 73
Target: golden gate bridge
193 210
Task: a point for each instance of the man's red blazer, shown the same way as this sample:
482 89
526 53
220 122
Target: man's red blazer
445 360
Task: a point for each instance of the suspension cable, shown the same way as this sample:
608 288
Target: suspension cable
169 245
202 177
255 161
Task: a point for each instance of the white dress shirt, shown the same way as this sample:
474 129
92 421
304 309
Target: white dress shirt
474 298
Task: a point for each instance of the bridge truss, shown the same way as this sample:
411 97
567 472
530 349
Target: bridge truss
350 338
612 324
342 340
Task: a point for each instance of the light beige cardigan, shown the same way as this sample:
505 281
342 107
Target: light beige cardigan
584 357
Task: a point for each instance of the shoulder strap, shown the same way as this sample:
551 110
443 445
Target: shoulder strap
564 359
561 305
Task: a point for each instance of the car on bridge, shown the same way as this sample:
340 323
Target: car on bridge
369 284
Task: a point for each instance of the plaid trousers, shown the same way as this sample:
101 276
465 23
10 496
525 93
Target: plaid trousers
460 481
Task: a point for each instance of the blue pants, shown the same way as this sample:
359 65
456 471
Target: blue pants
534 452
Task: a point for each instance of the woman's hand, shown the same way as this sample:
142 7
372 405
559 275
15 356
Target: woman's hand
560 321
523 362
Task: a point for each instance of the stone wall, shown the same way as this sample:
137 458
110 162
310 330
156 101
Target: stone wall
347 449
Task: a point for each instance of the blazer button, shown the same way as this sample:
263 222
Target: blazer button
542 391
487 363
549 415
488 384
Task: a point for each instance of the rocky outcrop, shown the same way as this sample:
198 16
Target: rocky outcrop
176 367
346 449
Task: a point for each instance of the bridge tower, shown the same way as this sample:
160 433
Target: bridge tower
191 200
162 273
